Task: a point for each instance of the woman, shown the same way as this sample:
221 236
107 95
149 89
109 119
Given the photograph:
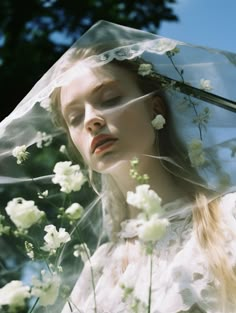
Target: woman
137 108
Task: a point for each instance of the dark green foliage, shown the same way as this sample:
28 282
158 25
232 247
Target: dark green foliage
35 33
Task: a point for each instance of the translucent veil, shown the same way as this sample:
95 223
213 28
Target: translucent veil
197 84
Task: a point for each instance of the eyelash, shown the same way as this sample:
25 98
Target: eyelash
76 119
112 102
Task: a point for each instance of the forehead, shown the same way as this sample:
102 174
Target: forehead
90 79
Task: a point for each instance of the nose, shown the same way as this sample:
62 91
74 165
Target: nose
94 121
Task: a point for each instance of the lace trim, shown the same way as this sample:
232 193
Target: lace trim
55 78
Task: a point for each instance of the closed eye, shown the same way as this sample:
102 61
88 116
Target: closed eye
75 119
112 102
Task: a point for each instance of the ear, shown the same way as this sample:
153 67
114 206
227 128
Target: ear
158 106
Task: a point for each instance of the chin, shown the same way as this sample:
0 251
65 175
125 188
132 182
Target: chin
111 162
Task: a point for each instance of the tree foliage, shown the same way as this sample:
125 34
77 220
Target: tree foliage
35 33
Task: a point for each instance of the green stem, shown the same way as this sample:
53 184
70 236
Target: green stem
189 98
175 67
34 305
150 285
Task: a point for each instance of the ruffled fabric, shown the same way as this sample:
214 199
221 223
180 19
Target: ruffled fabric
181 281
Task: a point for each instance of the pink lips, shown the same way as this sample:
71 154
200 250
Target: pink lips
102 142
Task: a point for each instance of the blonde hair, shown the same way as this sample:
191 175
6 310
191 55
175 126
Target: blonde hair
211 236
206 215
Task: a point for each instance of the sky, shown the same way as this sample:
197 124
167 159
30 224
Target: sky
210 23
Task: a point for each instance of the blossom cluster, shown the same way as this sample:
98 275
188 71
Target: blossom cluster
151 226
25 217
20 153
23 213
68 176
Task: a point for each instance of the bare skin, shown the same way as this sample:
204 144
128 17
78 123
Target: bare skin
95 105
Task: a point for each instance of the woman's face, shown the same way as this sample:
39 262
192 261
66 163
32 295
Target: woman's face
106 120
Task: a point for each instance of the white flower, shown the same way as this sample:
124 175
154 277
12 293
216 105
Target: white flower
205 84
29 249
74 211
23 213
63 149
158 122
82 250
68 176
145 199
20 153
153 229
54 239
43 139
14 294
196 153
164 45
46 289
43 194
145 69
46 104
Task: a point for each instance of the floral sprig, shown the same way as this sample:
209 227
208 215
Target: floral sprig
201 119
141 179
23 213
158 122
43 139
151 226
28 218
54 239
14 295
82 250
46 289
20 153
205 84
68 176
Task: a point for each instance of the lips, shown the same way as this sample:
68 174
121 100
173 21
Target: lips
101 140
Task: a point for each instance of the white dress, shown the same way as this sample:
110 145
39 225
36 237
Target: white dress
180 278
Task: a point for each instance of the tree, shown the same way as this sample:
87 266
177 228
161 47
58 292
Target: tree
35 33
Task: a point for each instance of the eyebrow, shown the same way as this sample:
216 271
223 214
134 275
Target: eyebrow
94 90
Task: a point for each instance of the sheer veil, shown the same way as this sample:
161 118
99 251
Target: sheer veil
197 145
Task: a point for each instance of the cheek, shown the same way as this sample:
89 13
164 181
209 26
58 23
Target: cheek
139 120
136 128
79 143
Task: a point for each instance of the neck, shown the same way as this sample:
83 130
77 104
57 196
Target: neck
160 180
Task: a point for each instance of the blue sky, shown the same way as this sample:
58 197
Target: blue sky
210 23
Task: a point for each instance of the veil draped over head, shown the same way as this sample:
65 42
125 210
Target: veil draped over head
198 83
197 144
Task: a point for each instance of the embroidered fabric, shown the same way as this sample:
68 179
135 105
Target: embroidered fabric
180 281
